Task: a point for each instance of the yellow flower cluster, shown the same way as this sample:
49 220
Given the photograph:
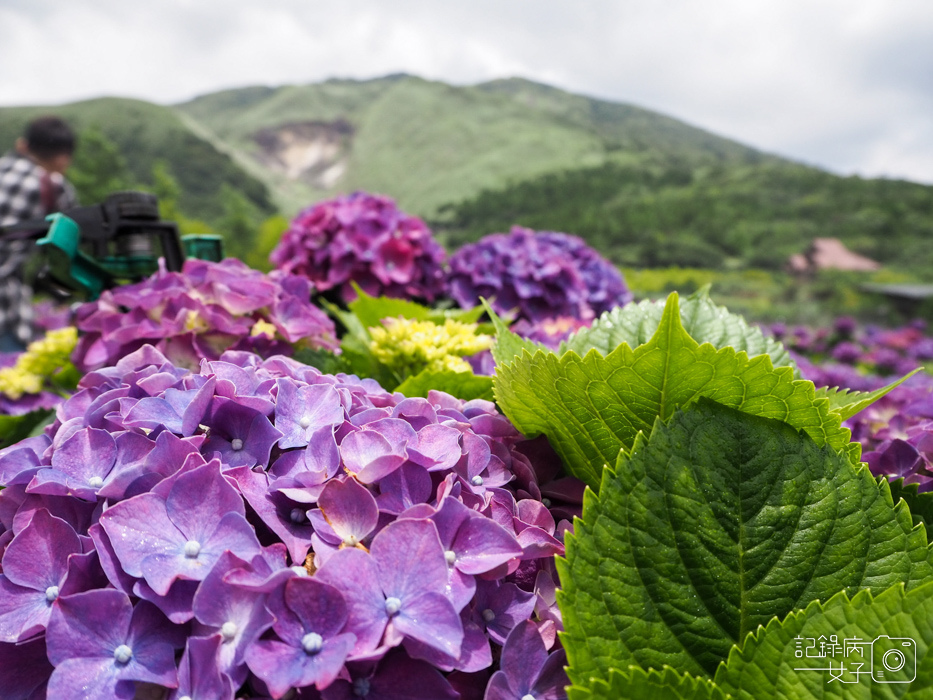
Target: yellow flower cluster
39 362
410 346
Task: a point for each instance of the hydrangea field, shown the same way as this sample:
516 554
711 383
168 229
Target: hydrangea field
381 472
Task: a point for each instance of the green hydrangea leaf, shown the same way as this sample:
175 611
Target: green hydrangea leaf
592 407
638 684
371 310
463 385
766 666
712 526
704 321
920 504
846 404
16 428
508 345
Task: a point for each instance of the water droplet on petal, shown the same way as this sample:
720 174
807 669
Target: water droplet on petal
312 643
122 654
192 549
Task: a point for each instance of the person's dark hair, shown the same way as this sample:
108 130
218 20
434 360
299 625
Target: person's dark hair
47 137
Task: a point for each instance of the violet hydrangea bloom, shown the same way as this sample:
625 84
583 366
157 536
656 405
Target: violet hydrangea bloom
388 598
198 313
181 535
100 643
35 564
526 670
363 238
209 543
309 617
198 674
542 274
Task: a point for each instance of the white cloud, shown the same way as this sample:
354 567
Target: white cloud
846 84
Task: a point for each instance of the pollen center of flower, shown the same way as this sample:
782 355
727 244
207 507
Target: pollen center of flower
192 549
305 422
297 515
451 556
351 540
95 482
489 615
51 593
477 480
228 631
546 502
300 570
236 444
393 605
312 643
361 687
122 654
528 696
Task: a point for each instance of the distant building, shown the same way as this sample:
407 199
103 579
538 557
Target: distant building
829 253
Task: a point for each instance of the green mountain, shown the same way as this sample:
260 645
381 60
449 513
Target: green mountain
645 189
428 143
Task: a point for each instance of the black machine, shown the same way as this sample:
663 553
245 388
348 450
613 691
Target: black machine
92 248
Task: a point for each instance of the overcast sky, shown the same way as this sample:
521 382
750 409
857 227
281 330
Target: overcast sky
843 84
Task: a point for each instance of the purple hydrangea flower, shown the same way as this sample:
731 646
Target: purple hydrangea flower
181 535
526 671
390 600
538 274
35 565
198 313
100 643
209 543
366 239
395 677
198 674
311 649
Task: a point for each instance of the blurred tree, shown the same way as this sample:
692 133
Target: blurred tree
98 168
165 188
240 223
270 232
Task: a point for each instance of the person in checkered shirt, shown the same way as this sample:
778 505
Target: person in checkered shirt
32 185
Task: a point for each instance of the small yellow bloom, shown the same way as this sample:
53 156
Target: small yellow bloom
262 328
40 360
409 346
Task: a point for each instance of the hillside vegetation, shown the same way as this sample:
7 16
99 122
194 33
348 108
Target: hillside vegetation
645 189
146 134
753 215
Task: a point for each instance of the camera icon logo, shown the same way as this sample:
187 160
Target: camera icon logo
893 659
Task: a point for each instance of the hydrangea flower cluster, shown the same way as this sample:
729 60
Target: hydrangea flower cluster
257 526
542 274
408 346
896 432
201 311
367 239
24 381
